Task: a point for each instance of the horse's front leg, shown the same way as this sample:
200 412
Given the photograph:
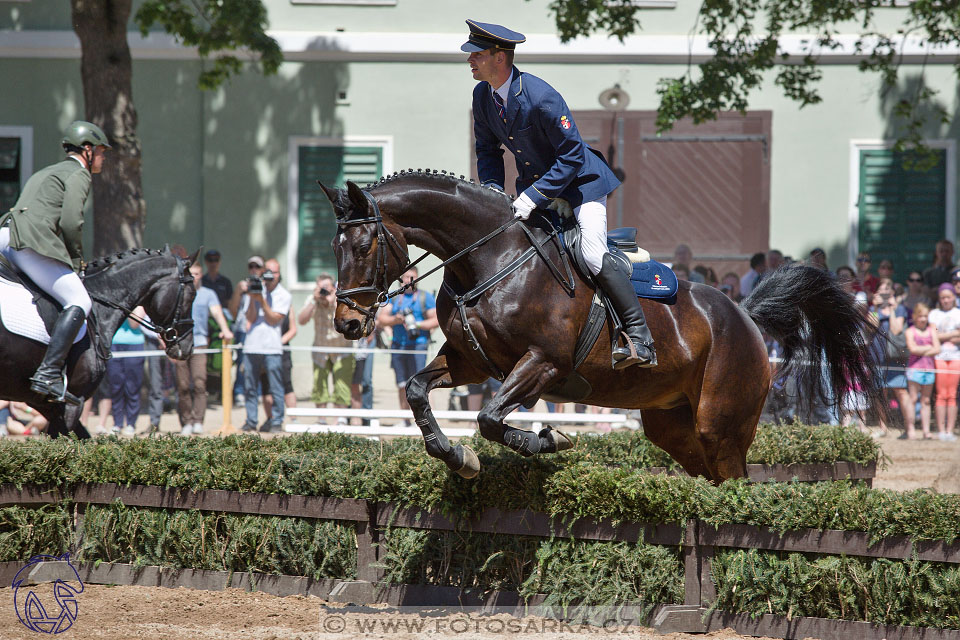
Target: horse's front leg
446 370
532 375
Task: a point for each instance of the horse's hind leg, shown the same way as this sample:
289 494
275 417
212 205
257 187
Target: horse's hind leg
525 383
727 417
446 370
674 431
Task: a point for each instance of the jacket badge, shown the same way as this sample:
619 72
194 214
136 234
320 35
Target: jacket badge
564 122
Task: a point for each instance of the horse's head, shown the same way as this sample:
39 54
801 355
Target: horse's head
371 253
169 303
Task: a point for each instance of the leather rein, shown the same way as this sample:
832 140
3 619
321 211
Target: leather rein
379 285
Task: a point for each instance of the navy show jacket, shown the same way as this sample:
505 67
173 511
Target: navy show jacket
552 159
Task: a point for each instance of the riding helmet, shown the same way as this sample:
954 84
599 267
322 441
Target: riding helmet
79 133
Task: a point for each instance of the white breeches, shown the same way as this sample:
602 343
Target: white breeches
592 220
52 276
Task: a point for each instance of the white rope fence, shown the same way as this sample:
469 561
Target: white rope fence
375 429
538 419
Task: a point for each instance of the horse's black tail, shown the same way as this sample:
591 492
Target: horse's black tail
824 337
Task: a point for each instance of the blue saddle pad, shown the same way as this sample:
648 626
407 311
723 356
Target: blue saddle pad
656 281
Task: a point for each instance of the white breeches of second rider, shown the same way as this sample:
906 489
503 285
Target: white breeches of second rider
592 220
51 275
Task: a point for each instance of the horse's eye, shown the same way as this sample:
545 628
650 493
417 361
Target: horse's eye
363 249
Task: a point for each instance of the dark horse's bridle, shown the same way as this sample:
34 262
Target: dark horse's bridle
379 284
177 327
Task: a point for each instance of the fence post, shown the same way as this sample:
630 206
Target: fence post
368 547
691 564
226 389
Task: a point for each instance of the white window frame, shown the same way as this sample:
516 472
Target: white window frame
26 149
950 206
293 194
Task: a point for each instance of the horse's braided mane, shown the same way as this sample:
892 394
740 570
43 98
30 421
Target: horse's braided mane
103 262
440 176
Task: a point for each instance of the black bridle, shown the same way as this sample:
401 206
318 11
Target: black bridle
177 327
379 284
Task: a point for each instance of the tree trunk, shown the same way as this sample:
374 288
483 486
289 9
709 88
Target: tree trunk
106 68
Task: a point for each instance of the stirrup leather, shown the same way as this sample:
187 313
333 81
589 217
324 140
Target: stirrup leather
627 356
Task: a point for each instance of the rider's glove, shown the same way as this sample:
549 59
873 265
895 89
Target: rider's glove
523 206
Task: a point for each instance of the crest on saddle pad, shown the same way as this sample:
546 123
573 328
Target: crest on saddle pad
655 280
20 315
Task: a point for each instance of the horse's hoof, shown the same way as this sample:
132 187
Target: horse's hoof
559 440
471 463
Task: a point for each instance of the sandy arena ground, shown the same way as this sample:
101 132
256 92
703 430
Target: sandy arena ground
117 612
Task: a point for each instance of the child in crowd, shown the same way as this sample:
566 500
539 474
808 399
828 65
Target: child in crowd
923 344
946 319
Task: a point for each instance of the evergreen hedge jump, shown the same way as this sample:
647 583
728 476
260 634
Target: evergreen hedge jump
315 514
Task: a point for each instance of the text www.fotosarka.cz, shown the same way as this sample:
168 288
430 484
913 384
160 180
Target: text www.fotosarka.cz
470 621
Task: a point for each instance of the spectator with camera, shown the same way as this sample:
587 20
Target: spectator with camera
411 316
332 372
238 300
288 331
266 304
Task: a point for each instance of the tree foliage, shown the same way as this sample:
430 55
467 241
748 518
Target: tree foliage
215 27
746 38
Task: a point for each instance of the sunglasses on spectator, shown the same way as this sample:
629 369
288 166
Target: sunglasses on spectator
914 279
863 259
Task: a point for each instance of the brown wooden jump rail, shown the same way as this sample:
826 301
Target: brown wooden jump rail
698 542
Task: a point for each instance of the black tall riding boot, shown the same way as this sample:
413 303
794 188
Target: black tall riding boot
615 281
48 380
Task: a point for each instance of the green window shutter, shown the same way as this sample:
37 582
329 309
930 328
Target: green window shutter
332 165
9 172
902 212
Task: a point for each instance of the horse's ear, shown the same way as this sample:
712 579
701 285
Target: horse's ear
330 193
357 199
191 260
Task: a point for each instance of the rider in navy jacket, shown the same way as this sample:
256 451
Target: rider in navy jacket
552 159
531 119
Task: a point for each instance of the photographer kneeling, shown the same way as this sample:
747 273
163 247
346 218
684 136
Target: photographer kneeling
266 304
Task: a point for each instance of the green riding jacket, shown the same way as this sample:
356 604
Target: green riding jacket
48 216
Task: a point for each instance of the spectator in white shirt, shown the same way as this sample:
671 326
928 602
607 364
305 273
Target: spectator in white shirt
264 310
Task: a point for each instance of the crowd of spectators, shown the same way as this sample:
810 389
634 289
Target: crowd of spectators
921 313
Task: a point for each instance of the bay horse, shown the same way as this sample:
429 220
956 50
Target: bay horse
501 315
158 280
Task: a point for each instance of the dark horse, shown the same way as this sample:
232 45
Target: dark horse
701 403
158 280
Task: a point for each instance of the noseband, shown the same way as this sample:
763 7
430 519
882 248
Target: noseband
379 285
